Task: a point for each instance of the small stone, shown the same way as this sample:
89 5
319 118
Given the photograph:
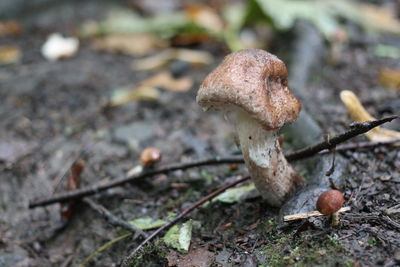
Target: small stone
178 68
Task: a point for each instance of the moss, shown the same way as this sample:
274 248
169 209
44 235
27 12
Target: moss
283 250
153 254
372 242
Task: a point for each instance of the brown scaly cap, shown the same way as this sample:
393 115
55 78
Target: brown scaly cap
255 81
330 201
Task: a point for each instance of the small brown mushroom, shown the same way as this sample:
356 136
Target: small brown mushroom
150 156
253 84
329 203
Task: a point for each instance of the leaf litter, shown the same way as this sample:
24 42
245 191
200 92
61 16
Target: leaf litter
179 236
139 44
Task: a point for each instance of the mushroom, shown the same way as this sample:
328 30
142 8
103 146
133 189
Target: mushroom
329 203
253 84
150 156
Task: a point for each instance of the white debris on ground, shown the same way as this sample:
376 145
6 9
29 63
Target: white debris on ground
58 47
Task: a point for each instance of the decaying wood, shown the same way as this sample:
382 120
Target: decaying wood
306 215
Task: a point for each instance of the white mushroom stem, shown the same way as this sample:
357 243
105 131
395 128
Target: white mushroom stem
268 167
335 219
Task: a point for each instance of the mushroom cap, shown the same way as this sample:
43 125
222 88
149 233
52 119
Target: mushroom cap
254 81
150 156
330 202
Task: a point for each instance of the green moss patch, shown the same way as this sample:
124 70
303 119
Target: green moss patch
284 250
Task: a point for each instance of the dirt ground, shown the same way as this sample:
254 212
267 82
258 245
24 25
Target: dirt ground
51 111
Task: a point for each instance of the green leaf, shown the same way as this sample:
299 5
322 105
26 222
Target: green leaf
146 223
171 216
179 237
326 15
238 194
382 50
128 22
234 16
284 14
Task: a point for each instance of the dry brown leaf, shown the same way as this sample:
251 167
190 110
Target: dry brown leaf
198 257
124 95
131 44
190 38
9 54
358 113
205 17
73 183
193 57
380 19
10 28
153 62
165 80
390 78
147 89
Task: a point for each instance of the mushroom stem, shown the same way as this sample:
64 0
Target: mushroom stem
268 168
335 219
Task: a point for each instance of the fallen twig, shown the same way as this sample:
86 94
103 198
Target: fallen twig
356 129
358 145
185 212
112 219
94 189
306 215
377 217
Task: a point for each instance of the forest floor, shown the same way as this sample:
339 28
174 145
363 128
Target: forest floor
52 111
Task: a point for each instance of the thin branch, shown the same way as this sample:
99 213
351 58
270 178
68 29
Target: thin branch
112 219
356 129
377 217
94 189
358 145
185 212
